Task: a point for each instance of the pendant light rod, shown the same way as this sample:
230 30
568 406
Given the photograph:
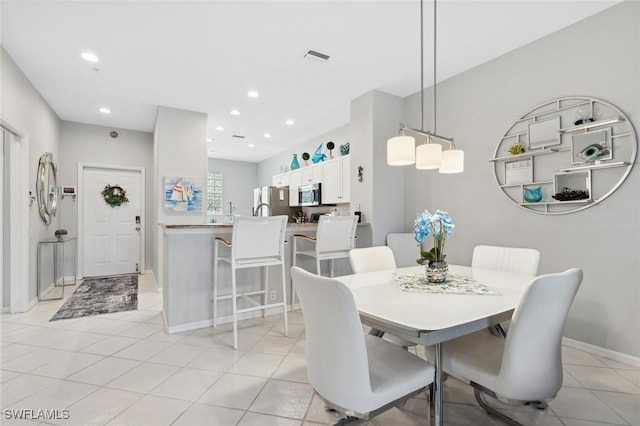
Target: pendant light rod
403 128
435 56
421 66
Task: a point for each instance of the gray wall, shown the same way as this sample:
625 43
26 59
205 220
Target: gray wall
239 180
87 143
25 108
598 57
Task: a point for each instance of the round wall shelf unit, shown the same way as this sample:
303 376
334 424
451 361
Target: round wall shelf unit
565 155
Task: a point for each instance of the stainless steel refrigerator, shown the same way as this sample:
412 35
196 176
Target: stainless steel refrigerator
272 201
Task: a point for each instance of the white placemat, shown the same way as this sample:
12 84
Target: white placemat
454 284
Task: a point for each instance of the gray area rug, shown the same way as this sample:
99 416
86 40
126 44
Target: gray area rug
96 296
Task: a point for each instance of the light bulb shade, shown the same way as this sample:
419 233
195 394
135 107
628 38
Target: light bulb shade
401 151
428 156
452 161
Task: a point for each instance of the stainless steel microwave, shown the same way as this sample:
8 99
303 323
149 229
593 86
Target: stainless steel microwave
309 195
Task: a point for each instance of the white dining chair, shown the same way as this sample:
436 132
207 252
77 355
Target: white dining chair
356 374
255 242
335 236
405 248
506 259
526 367
370 259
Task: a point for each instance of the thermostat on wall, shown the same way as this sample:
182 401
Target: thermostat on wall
69 191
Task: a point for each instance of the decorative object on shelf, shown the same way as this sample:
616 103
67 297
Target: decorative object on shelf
60 234
401 150
114 195
294 162
344 149
532 194
516 149
594 153
591 146
305 157
183 194
47 187
318 156
439 226
360 169
571 195
586 116
330 147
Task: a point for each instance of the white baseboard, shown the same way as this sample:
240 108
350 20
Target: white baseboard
222 320
603 352
153 276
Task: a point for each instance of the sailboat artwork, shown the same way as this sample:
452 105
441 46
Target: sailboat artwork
183 194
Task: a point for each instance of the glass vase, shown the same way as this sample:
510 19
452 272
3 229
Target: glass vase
436 272
294 163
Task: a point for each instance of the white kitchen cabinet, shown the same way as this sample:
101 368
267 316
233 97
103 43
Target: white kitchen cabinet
295 180
280 180
336 183
312 174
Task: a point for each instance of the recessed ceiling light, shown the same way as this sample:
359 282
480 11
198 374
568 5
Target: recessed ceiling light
251 145
289 122
253 94
89 57
234 112
209 140
267 135
219 128
105 110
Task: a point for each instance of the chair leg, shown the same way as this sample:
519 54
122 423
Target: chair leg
492 411
265 298
318 266
284 300
234 304
215 281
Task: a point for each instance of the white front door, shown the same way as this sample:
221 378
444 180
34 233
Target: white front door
111 236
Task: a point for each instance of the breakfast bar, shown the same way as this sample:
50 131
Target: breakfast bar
187 272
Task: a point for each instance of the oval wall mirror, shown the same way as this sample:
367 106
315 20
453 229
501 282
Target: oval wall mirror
47 187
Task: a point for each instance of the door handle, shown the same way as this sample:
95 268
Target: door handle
137 227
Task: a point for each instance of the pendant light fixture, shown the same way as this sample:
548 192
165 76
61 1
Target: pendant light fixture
401 150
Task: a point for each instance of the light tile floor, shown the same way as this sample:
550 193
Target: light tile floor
122 369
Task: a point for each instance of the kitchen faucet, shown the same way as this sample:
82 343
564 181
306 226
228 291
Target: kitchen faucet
261 205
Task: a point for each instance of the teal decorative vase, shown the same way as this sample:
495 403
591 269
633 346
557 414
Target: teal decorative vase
294 162
532 194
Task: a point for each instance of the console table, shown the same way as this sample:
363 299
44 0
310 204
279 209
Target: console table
57 250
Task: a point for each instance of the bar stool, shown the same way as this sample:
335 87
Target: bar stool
335 236
255 242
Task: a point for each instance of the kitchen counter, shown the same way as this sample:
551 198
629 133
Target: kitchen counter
187 272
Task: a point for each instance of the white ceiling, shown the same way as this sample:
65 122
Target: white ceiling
206 55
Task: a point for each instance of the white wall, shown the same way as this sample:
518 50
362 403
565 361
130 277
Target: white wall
239 180
374 118
598 57
180 144
179 149
24 107
87 143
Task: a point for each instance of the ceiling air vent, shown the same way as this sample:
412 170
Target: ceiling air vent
312 54
237 136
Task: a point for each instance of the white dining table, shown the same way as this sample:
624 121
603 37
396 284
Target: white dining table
429 319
